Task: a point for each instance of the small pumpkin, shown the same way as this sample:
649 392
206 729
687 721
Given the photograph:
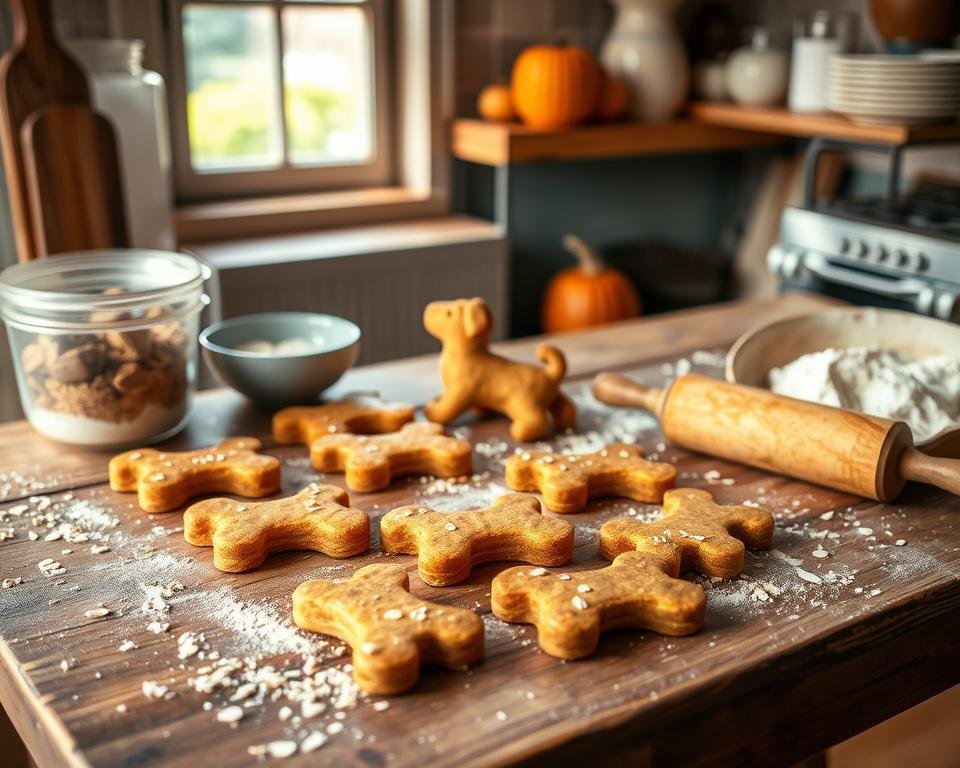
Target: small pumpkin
494 104
554 86
614 98
587 295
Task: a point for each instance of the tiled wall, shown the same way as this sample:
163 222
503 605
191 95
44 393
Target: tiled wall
82 18
778 15
490 34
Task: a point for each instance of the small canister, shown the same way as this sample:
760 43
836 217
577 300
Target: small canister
104 343
816 37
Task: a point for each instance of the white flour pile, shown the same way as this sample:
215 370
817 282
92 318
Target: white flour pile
923 393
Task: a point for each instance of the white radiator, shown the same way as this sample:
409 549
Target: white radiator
381 281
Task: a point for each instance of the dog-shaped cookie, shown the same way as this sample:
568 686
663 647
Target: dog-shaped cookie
474 377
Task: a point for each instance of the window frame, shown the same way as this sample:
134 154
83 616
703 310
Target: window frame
423 104
197 186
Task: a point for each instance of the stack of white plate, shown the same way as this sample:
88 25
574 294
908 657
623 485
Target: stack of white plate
911 90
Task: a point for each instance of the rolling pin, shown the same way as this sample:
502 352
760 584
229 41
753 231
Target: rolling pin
864 455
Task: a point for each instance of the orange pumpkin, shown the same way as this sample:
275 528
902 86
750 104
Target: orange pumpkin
494 103
587 295
554 86
614 98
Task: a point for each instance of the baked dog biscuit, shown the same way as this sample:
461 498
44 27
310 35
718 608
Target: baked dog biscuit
165 480
392 633
570 611
567 480
371 462
709 538
448 545
305 423
242 535
474 377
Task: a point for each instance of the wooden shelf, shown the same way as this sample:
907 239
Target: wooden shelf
508 143
783 122
708 127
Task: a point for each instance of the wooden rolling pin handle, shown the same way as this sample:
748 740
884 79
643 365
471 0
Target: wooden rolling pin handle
617 389
932 470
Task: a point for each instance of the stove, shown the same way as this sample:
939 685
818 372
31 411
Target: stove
894 252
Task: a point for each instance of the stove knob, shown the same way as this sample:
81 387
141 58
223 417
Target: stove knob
792 265
879 254
775 259
861 249
843 245
947 306
901 258
922 262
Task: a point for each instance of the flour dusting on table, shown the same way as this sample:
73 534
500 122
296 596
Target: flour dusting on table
209 643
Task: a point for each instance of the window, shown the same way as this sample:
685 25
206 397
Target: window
273 97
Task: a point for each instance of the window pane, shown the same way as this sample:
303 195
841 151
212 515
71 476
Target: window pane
328 98
233 99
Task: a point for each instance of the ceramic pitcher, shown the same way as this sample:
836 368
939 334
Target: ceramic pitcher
645 49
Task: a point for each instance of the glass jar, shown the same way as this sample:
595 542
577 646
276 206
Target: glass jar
104 343
134 99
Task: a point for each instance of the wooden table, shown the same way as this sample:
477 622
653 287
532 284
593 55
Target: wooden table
772 678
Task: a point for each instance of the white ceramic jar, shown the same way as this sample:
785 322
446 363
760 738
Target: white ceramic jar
134 99
645 50
816 38
757 74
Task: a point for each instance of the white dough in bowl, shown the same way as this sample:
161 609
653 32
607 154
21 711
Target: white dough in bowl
924 393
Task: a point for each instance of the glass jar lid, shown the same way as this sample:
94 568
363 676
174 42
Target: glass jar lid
101 290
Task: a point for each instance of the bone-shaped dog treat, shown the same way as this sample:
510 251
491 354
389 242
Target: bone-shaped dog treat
392 633
305 423
243 534
371 462
570 611
710 538
567 480
449 545
164 480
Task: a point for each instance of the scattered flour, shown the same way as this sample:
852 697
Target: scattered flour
244 656
458 497
923 393
257 625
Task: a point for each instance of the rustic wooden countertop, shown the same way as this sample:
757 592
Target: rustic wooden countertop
784 667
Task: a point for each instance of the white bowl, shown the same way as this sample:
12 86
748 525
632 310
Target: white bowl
879 117
896 97
892 62
773 345
893 106
275 380
906 90
933 79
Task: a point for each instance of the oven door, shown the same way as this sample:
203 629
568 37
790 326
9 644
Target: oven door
812 271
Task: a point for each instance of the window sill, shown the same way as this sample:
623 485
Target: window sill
348 242
230 219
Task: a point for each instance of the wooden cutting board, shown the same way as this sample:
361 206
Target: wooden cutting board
73 179
55 148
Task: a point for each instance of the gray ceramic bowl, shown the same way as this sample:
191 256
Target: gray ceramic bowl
277 379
